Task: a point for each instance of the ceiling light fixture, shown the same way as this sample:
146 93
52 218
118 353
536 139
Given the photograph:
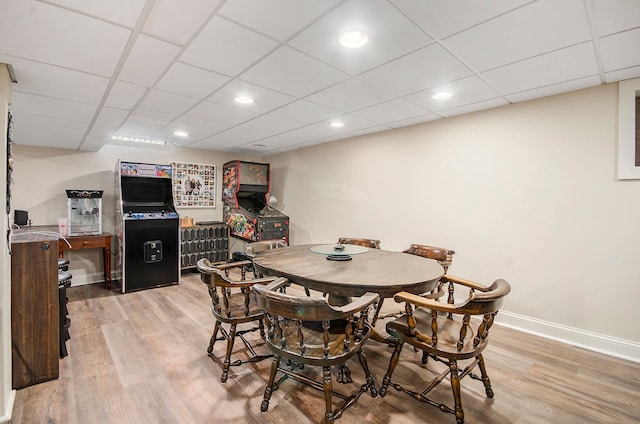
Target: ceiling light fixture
337 124
139 140
181 133
441 95
245 100
353 39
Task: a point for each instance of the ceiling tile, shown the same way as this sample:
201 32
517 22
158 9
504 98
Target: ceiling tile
191 81
536 28
227 48
305 112
467 90
110 119
49 34
390 34
197 129
292 72
276 18
551 68
125 95
419 70
53 108
623 74
177 21
442 18
167 102
121 12
269 125
351 95
148 59
621 50
550 90
392 111
48 132
265 99
153 117
414 121
214 112
232 137
53 81
473 107
615 16
139 129
106 125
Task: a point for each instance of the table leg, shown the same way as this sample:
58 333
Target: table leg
107 265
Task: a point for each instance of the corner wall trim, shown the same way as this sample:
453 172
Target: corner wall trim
6 418
600 343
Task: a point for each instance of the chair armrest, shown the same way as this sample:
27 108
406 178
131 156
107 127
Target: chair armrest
463 282
424 302
246 283
358 304
231 265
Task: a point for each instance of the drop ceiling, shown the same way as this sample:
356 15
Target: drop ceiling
88 70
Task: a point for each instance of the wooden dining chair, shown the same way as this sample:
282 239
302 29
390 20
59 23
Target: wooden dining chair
442 255
308 331
233 302
452 334
370 243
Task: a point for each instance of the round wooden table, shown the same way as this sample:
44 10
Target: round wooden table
378 271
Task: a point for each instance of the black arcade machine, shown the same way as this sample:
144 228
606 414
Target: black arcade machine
147 226
245 194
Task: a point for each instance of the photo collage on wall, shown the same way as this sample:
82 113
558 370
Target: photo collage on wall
194 185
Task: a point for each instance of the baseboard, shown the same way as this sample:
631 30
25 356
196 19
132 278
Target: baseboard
612 346
6 418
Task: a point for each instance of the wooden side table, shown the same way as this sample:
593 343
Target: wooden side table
91 242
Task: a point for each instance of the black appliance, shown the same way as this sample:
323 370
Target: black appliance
147 226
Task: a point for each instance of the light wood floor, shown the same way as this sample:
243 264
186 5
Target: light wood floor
141 358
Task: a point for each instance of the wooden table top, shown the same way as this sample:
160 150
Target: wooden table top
379 271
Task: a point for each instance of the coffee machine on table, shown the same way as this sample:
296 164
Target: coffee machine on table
245 195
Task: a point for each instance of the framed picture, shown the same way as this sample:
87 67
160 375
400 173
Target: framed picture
194 185
628 128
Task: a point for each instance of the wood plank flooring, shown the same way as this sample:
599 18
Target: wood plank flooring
141 358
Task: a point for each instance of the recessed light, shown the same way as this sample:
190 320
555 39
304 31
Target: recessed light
181 133
244 99
337 124
353 39
441 95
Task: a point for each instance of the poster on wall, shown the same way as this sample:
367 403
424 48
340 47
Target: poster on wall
194 185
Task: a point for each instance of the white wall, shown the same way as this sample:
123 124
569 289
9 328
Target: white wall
42 175
526 192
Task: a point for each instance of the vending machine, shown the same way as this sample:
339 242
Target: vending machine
245 194
147 226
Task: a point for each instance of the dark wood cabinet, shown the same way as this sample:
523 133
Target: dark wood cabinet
34 310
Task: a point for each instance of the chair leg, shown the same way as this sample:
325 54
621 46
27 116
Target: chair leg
455 387
327 387
227 358
485 377
371 384
392 365
214 337
270 384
